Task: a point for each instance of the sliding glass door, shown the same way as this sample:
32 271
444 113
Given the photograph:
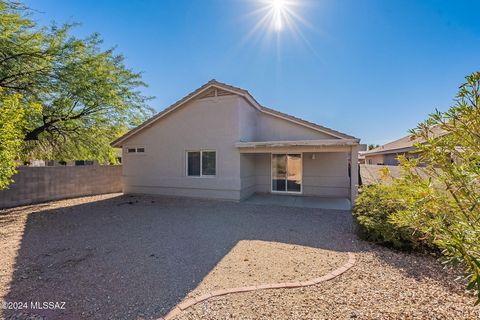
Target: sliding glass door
287 173
279 172
294 173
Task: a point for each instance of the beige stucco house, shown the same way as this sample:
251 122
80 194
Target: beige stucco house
388 153
219 142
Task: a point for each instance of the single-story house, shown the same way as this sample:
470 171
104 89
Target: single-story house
388 153
219 142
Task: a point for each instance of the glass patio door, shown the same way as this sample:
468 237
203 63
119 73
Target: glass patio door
287 173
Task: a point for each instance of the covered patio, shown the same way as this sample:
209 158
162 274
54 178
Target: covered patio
284 172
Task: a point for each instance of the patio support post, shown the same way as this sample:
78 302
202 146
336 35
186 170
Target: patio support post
353 173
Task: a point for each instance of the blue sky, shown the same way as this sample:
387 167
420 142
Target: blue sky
370 68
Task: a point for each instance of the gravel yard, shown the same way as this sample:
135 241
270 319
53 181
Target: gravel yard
125 257
253 262
381 285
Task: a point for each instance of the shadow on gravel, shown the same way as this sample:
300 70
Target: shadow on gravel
135 257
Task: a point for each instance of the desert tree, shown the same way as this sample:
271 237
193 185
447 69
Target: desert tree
74 97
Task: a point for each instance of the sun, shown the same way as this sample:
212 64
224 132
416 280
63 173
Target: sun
279 10
279 15
279 21
278 4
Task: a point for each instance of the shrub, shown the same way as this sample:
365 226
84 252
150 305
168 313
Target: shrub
449 212
373 211
440 203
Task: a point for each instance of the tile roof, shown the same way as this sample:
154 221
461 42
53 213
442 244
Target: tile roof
240 91
276 112
406 143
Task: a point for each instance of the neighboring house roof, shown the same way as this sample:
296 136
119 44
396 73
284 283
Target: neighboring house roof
241 92
404 144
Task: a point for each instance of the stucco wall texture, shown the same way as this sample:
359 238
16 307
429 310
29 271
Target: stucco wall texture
204 124
389 159
39 184
217 123
324 174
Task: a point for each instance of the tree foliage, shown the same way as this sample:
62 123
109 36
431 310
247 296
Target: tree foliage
12 123
88 97
449 211
440 202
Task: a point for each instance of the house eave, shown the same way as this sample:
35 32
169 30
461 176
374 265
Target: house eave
390 151
297 143
118 143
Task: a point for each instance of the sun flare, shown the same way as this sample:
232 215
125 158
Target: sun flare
278 21
279 15
278 10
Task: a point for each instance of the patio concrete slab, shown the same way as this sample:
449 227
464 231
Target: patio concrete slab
287 200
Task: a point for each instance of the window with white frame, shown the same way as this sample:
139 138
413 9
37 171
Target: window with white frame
134 150
202 163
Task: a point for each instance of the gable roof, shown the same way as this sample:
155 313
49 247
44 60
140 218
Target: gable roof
404 144
203 91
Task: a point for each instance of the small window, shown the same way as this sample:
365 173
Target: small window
201 163
136 150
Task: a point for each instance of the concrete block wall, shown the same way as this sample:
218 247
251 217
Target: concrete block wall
373 174
40 184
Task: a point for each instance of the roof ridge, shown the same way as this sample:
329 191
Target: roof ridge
214 82
283 113
382 147
408 141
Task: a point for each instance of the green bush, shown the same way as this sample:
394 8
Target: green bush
449 212
438 204
373 210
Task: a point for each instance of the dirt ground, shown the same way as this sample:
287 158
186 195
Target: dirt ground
136 257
